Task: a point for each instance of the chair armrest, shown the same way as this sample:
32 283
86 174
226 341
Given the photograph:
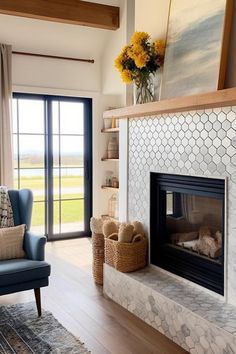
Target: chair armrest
34 246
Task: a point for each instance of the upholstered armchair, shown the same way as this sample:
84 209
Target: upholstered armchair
31 272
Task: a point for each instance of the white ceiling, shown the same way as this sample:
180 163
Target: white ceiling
54 38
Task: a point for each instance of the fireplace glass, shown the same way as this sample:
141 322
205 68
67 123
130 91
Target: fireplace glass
194 223
187 227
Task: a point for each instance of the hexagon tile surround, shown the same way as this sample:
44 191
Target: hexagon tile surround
197 143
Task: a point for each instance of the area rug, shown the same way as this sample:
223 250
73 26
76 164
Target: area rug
23 332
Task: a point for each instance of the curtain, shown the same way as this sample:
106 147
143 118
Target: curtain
6 154
190 211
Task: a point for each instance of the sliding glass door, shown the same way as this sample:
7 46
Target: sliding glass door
53 157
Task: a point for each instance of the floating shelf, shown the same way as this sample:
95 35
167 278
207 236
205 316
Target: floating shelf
220 98
110 217
106 159
110 130
109 188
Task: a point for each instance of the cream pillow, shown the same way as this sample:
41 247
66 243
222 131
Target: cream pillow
11 242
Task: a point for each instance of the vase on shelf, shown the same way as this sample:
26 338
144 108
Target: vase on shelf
144 90
113 148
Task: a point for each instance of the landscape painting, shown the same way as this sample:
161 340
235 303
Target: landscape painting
197 32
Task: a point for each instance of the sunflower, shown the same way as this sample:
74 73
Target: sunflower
140 59
126 76
139 37
160 46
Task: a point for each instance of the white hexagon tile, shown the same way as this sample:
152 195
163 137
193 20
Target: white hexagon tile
197 143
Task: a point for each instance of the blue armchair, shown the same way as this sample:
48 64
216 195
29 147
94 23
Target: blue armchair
31 272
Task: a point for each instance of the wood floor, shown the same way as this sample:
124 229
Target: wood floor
80 306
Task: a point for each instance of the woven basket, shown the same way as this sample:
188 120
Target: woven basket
126 257
98 257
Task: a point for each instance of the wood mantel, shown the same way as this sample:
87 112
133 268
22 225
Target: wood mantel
214 99
74 12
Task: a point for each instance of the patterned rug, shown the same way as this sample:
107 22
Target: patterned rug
23 332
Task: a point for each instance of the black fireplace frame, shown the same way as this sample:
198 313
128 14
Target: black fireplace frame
184 263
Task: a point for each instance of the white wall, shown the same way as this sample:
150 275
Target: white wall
111 83
152 18
117 94
59 74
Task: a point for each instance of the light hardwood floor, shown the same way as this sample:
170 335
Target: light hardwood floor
80 306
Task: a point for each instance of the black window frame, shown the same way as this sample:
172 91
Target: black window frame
48 161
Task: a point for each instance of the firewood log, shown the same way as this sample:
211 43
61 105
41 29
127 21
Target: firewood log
183 237
204 231
218 237
208 246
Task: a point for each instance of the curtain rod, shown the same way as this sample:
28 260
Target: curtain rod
91 61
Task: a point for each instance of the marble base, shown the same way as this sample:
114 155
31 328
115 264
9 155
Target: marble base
194 319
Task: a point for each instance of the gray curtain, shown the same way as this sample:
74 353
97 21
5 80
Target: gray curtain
6 154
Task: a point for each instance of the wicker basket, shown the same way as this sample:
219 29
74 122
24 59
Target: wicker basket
98 257
126 257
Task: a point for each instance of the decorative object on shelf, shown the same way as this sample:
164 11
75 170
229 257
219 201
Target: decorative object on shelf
113 123
114 182
144 91
197 44
138 63
113 148
109 176
113 206
125 249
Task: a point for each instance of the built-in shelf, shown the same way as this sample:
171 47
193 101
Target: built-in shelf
109 188
110 130
105 216
214 99
105 159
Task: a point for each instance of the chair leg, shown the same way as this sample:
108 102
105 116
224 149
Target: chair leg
38 300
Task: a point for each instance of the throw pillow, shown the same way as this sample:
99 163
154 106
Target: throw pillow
11 242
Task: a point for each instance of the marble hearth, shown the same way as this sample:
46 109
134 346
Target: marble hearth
197 321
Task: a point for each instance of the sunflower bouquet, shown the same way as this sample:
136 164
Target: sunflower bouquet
138 61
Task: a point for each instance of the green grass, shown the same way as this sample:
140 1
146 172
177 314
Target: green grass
72 211
37 182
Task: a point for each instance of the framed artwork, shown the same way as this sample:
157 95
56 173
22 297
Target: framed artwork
197 45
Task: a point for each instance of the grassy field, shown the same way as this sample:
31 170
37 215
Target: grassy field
71 211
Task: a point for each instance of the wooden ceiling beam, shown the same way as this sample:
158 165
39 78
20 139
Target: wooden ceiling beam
75 12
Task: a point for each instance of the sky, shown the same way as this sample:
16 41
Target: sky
31 113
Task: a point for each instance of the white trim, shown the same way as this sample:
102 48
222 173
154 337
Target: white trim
55 91
123 169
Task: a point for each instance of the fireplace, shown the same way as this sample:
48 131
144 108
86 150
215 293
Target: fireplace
187 227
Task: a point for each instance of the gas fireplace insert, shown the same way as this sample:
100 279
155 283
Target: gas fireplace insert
187 223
